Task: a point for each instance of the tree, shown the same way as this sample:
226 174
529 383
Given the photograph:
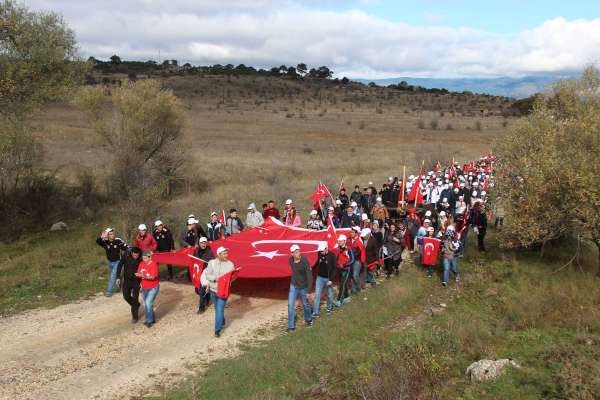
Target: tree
548 173
38 64
174 63
115 60
301 68
291 71
141 124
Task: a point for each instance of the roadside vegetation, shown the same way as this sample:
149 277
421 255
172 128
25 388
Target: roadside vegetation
402 344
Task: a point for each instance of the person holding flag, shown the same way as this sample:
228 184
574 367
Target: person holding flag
164 242
430 250
299 286
326 267
204 254
253 218
212 279
148 273
450 249
345 260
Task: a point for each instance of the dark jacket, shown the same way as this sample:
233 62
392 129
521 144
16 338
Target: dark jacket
301 273
348 221
326 265
356 196
113 248
189 237
204 254
129 266
164 240
372 250
344 199
478 219
214 231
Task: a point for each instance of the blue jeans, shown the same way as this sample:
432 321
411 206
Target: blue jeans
356 284
219 305
294 293
112 270
148 296
319 286
450 265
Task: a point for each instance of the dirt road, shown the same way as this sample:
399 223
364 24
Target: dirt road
91 350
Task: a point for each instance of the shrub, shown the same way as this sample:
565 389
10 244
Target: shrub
361 125
433 124
478 126
449 127
421 124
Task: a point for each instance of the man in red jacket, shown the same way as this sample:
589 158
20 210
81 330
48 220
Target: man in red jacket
143 240
360 257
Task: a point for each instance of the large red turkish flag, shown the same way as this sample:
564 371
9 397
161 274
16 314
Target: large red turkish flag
431 248
261 252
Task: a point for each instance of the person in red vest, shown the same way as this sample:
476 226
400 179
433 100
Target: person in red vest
148 273
345 260
271 211
143 240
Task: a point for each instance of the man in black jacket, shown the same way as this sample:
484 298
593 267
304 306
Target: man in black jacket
350 219
113 246
164 242
204 253
130 283
478 220
326 266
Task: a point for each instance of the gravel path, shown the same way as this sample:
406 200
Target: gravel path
91 350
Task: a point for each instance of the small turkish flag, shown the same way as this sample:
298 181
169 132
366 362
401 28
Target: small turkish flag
431 248
331 235
222 217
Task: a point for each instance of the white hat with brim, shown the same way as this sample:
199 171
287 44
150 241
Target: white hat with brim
342 237
192 221
109 230
365 232
142 227
203 240
221 250
158 222
322 246
294 248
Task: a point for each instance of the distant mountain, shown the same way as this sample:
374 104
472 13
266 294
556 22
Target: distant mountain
504 86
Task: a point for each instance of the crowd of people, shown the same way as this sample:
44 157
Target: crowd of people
443 203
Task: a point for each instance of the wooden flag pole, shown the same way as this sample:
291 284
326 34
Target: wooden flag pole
403 187
418 188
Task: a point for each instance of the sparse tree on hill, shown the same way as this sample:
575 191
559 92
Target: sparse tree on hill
141 123
549 173
302 68
115 60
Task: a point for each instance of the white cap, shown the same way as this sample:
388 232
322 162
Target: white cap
483 193
142 227
365 232
427 221
411 177
370 183
158 222
288 202
390 178
294 248
331 208
322 246
221 250
338 202
192 216
474 194
342 237
365 217
445 200
192 221
109 230
251 206
314 212
353 204
213 213
428 213
442 213
379 199
450 228
203 240
475 183
356 229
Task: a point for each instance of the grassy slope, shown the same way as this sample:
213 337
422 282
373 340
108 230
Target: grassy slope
508 308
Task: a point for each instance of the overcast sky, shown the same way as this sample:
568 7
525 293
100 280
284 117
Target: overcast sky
358 39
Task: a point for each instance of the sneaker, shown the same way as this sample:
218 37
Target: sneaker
290 330
329 312
148 324
309 323
315 316
107 294
337 303
457 280
218 334
444 284
201 310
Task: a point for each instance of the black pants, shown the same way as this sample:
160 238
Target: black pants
480 237
131 294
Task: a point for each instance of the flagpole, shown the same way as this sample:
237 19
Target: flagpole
403 188
418 188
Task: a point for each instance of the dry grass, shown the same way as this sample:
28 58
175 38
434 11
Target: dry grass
246 147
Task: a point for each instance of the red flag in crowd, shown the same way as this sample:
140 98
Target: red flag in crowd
222 217
331 235
431 248
224 284
415 191
320 193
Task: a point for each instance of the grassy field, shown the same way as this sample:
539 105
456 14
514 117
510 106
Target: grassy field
387 347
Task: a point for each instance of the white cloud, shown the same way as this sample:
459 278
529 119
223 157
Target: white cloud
267 33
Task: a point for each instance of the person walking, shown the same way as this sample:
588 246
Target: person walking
478 220
326 267
214 228
450 248
216 269
393 248
360 257
254 218
345 261
143 241
164 242
113 246
130 284
371 254
299 286
148 273
204 253
233 223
